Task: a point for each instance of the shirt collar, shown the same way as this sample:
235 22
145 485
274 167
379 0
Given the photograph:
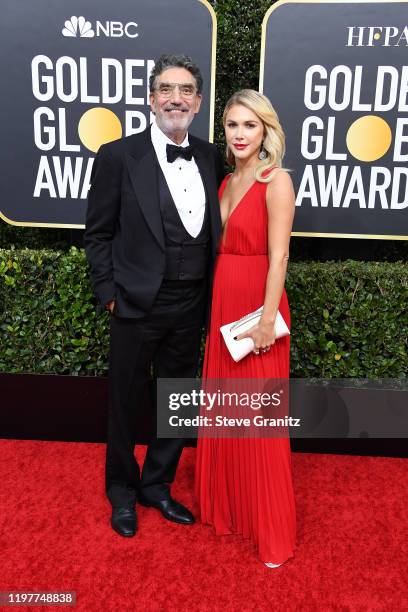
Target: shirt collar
160 141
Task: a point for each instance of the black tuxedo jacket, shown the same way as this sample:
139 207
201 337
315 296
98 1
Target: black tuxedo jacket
124 240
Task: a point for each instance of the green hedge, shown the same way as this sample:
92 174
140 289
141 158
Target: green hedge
349 319
48 319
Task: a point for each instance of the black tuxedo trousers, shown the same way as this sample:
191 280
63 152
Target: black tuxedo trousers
169 339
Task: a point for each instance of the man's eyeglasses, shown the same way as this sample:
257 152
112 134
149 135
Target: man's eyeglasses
166 90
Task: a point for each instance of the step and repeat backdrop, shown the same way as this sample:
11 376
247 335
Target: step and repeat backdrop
336 74
76 75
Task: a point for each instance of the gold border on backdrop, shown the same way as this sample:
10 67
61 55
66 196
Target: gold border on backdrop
32 224
371 236
261 84
210 131
213 67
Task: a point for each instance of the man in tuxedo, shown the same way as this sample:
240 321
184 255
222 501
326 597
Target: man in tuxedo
152 229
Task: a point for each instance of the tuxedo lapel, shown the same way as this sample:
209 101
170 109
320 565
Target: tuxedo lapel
143 171
207 172
143 176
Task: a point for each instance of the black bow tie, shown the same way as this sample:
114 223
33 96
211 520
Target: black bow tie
173 152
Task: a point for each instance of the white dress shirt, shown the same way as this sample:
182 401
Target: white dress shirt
184 182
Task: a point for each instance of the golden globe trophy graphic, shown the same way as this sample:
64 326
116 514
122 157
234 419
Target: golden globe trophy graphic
369 138
81 85
341 93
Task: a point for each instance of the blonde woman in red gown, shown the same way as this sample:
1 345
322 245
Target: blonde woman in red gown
244 486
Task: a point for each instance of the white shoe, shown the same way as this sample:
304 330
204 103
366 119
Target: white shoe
273 565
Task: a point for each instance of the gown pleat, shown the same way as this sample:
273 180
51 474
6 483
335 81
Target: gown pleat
244 485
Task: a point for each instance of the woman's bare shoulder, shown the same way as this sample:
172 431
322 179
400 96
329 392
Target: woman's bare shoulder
281 185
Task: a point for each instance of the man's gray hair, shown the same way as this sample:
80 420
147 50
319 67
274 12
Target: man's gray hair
175 61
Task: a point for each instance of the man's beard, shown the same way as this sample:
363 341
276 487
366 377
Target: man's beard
178 124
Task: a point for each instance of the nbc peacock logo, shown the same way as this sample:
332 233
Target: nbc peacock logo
78 27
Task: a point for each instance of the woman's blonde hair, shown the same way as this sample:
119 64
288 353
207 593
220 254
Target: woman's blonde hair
274 137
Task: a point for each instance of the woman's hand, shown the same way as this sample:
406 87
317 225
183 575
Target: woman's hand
263 336
110 306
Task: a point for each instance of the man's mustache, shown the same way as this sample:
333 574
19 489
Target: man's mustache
175 107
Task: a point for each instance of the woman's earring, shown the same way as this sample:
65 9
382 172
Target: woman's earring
262 153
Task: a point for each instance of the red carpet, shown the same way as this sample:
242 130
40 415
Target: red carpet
55 535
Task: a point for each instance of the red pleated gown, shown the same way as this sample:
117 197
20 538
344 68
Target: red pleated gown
244 486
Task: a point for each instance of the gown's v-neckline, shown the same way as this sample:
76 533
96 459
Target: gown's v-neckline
224 227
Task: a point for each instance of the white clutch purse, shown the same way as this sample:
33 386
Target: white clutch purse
241 348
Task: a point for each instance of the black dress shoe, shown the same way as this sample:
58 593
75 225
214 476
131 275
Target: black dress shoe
170 509
123 521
